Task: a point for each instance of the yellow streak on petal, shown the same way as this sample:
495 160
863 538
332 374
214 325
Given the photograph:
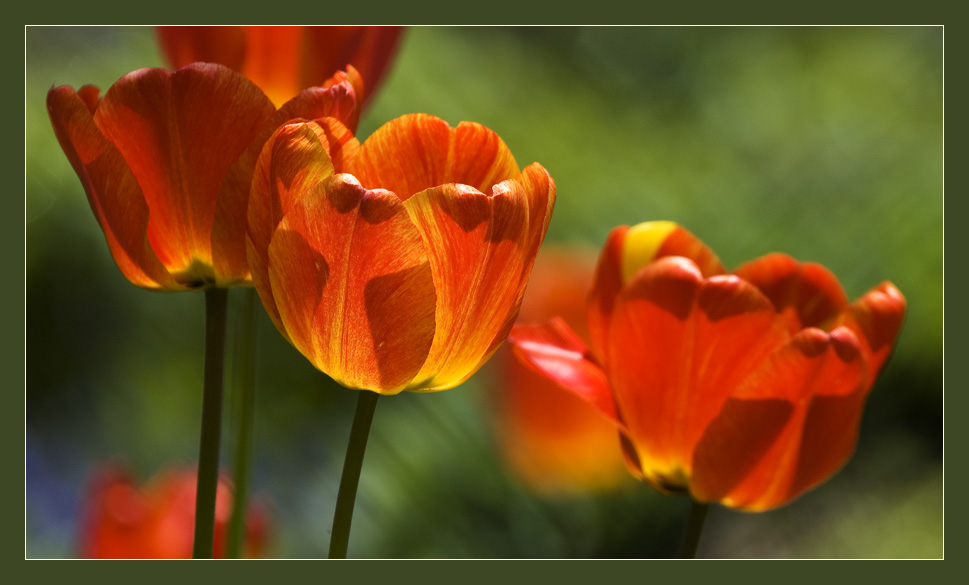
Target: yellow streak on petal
642 243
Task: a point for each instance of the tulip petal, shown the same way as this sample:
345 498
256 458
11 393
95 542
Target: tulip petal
808 293
112 191
557 353
789 426
629 249
180 133
418 151
283 60
368 48
293 162
876 318
353 286
679 346
481 249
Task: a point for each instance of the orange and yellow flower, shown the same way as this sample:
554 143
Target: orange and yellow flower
284 60
166 159
399 263
552 440
745 388
124 521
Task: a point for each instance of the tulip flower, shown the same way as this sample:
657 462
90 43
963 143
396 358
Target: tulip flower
166 160
122 521
745 389
400 263
284 60
397 264
553 441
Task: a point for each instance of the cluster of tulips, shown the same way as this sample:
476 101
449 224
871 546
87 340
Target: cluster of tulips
400 263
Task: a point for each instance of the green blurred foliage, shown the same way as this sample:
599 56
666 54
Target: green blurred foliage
824 143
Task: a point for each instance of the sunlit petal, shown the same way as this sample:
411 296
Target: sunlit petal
180 132
553 349
418 151
353 286
112 191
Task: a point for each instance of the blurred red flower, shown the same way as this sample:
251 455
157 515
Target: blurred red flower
745 389
121 520
284 60
552 439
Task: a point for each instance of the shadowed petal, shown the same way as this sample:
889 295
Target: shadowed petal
876 318
679 346
293 162
180 132
476 246
536 187
808 293
418 151
556 352
481 250
353 287
791 424
112 191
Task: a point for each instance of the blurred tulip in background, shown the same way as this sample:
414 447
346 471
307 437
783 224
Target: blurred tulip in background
122 520
284 60
553 440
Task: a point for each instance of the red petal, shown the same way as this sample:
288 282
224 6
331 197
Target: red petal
112 191
293 162
679 347
626 252
557 353
418 152
605 290
791 424
876 318
552 438
808 292
180 133
340 100
353 287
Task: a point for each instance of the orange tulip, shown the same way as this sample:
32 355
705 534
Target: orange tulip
123 521
399 263
745 389
166 159
552 439
283 60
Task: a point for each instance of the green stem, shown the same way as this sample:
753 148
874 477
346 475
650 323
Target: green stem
342 516
246 391
694 528
208 471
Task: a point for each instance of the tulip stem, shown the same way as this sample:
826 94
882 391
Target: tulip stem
359 433
246 391
694 528
208 470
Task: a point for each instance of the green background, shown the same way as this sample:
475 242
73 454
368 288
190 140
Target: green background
824 143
